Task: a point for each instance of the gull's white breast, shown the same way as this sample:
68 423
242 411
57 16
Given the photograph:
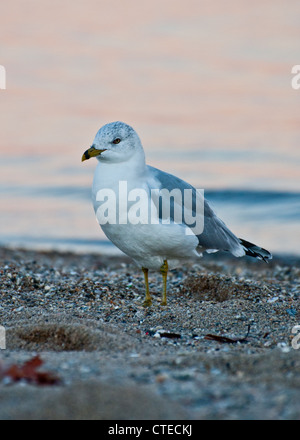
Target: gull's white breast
149 244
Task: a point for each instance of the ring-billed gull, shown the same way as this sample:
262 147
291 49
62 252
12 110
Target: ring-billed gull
131 199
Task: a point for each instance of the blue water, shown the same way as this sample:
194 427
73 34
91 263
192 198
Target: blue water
62 217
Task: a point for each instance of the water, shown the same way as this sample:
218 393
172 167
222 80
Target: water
208 90
61 217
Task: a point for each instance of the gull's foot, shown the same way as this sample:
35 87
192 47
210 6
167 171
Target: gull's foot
164 272
147 303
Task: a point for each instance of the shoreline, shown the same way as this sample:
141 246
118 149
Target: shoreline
83 315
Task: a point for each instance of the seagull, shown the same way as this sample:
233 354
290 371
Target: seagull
141 209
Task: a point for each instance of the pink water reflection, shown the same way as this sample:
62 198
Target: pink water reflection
189 76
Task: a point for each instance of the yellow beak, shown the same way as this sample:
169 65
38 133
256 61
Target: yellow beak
91 152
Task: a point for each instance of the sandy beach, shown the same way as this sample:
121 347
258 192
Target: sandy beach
221 349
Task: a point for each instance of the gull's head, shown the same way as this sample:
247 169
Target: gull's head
114 142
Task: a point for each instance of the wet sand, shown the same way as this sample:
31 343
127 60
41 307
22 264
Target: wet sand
221 348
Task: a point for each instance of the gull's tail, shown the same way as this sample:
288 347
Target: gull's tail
255 251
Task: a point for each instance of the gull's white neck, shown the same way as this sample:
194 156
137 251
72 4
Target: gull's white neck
108 174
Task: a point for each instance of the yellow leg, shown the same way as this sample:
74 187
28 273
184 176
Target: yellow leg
148 300
164 272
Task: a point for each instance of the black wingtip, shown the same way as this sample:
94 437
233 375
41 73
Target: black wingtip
255 251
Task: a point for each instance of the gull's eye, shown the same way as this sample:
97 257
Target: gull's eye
116 141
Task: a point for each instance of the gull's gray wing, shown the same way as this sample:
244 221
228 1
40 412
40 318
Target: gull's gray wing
215 235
